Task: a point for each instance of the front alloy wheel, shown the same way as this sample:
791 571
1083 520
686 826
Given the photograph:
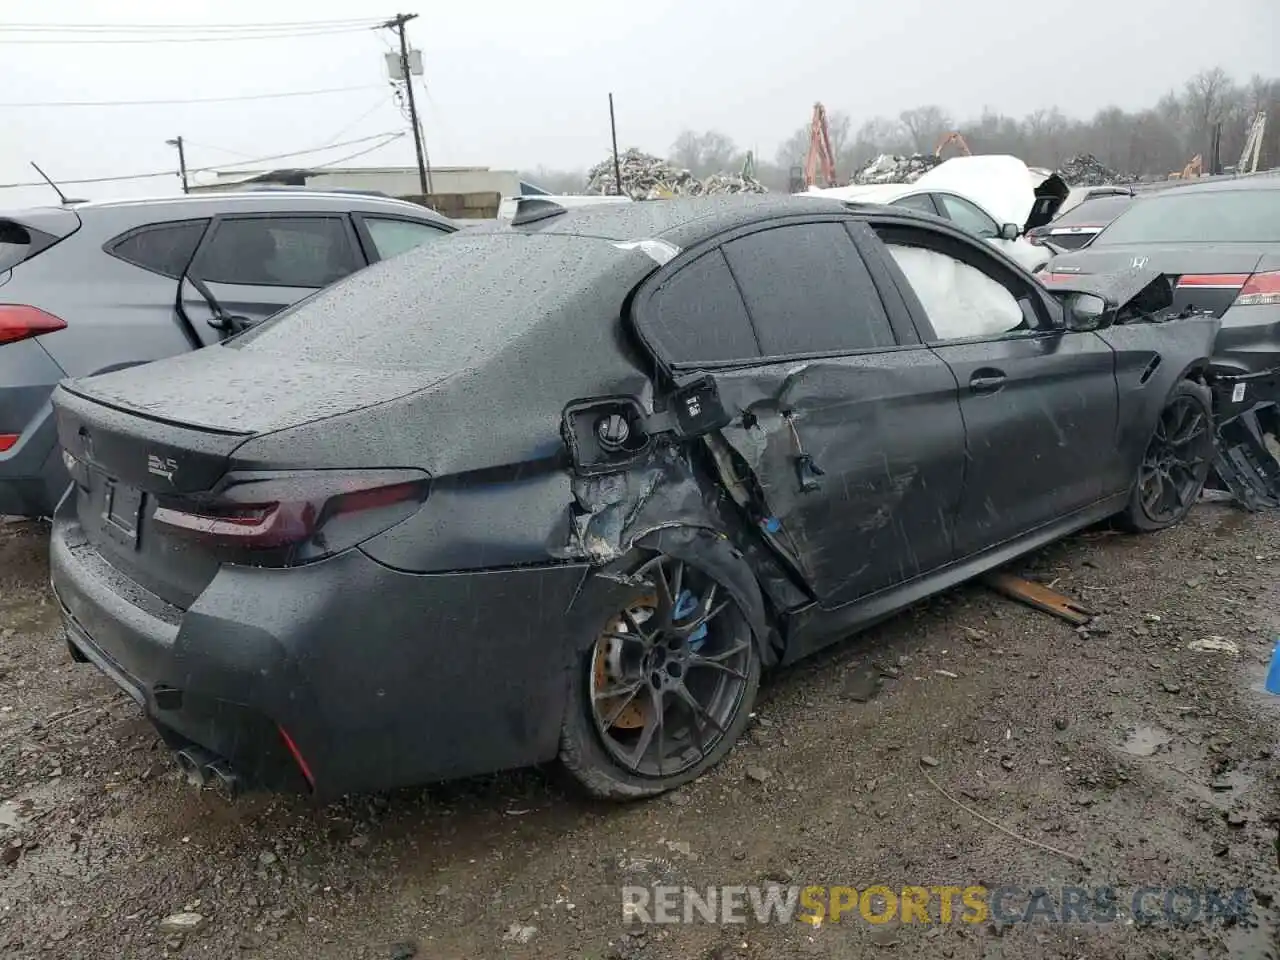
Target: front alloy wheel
1176 461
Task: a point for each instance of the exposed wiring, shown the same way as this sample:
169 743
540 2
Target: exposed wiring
148 103
385 136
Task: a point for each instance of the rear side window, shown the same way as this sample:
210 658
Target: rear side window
968 216
15 242
808 291
920 201
163 248
278 252
698 315
391 237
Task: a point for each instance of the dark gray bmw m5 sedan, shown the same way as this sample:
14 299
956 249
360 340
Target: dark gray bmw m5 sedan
563 488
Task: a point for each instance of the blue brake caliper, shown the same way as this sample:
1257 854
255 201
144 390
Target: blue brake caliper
687 605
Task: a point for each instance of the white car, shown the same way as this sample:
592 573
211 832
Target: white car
996 198
507 209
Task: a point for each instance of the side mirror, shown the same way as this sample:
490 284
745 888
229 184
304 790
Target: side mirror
1010 231
1085 312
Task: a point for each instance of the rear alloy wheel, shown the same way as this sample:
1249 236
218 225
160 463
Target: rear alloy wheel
667 685
1176 461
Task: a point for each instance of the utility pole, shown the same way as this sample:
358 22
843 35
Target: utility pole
613 131
397 23
182 161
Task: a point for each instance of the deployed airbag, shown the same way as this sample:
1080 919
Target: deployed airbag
961 300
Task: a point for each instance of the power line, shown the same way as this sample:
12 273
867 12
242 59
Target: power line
184 27
384 137
151 103
219 38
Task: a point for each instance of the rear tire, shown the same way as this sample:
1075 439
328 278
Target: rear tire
684 662
1175 463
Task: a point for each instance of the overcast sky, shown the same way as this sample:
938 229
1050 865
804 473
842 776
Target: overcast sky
514 85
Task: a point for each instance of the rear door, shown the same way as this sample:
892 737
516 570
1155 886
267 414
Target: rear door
1039 402
255 265
847 427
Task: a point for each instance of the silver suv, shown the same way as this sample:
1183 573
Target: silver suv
90 287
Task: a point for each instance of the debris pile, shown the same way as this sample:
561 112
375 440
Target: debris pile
1086 170
890 168
719 183
646 177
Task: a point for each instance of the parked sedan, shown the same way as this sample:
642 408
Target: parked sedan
1077 227
92 287
996 198
1221 242
565 487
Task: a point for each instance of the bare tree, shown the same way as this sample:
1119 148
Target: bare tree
706 153
926 126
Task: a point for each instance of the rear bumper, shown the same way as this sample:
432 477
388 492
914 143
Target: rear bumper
32 477
381 679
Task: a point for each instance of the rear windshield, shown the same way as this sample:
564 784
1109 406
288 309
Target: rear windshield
15 244
1225 216
1094 213
438 306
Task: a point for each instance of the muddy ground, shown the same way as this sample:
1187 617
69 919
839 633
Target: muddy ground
1149 761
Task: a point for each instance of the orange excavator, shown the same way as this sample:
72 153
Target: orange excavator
820 153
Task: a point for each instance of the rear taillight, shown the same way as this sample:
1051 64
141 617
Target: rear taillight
19 322
8 441
1051 277
1032 239
1259 290
282 519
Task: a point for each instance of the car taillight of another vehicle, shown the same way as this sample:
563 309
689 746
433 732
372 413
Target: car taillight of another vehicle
1261 289
287 519
18 322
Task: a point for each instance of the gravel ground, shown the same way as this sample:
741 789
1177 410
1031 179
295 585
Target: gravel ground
1149 761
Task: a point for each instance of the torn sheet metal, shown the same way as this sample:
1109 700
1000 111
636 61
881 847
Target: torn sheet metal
1117 288
1246 456
614 510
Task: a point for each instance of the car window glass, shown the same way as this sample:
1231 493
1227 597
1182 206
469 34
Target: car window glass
808 291
163 248
1198 216
1093 212
960 300
968 217
698 315
920 201
278 251
396 236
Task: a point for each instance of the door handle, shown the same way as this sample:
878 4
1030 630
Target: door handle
986 381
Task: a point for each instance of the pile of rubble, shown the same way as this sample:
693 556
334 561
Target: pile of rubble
1086 170
646 177
889 168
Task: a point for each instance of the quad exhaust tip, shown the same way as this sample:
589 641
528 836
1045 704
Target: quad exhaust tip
203 769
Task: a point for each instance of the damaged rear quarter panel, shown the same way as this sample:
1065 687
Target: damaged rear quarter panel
1175 349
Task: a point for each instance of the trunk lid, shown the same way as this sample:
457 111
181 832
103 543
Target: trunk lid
142 436
1208 277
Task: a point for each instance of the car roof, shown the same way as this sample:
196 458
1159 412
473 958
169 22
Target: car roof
267 201
683 222
1268 182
